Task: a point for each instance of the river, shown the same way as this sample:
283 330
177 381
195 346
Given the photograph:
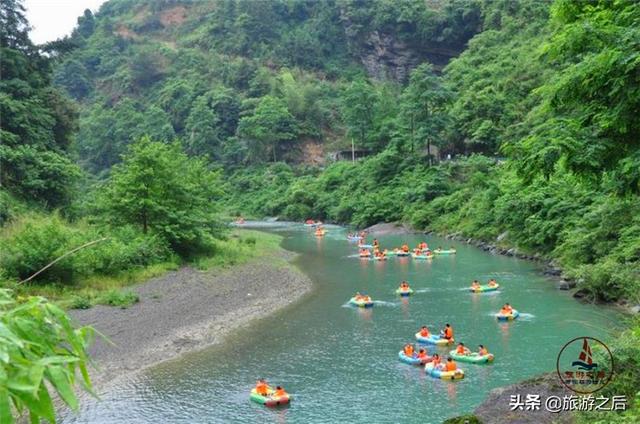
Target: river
340 363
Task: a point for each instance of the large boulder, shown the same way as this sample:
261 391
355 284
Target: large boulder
496 408
389 228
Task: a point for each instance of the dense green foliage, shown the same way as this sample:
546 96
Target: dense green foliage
37 122
30 243
503 94
163 192
247 81
40 353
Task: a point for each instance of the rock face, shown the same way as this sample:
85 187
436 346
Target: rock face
496 410
384 56
388 229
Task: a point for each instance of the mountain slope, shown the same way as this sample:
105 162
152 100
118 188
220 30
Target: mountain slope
192 69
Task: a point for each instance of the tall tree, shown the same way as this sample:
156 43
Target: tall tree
588 120
163 191
268 128
37 120
357 105
425 100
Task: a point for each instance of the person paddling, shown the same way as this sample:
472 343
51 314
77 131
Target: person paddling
424 331
262 388
280 392
451 364
447 333
422 355
408 350
506 309
462 350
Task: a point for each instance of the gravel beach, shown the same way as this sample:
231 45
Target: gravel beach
187 310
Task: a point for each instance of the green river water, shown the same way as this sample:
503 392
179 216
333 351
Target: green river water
340 363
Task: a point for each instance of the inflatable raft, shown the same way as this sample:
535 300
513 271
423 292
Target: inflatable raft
365 246
379 258
444 375
365 255
414 256
484 288
404 292
360 303
412 360
473 358
508 317
403 254
433 339
444 252
269 400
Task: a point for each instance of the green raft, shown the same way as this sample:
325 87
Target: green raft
444 252
473 358
484 288
269 400
414 256
407 292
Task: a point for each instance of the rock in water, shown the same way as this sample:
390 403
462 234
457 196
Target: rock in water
384 229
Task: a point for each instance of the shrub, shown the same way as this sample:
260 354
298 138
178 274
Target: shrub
80 302
33 242
116 298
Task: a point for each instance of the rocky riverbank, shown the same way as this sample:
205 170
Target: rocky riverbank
551 268
188 310
496 408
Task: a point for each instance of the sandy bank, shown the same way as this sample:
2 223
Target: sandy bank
187 310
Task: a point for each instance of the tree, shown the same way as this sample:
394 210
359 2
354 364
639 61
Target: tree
37 121
160 189
357 105
268 128
424 104
587 122
202 136
40 352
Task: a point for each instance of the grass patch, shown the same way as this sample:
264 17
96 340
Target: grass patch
92 290
240 247
122 299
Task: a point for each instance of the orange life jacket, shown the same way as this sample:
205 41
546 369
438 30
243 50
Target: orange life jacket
460 350
262 389
448 333
408 350
422 355
280 393
451 366
424 332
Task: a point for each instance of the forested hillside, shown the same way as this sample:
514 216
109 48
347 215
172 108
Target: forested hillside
249 82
